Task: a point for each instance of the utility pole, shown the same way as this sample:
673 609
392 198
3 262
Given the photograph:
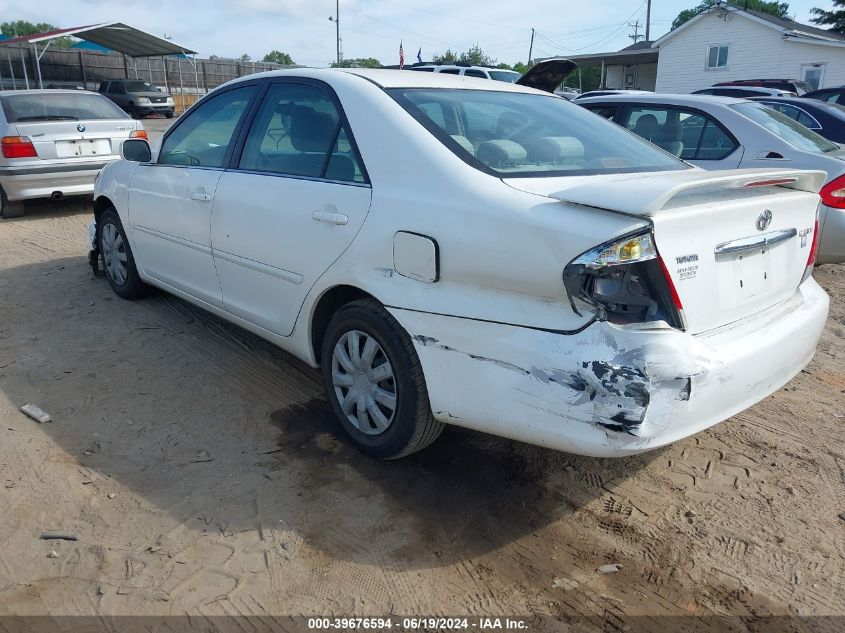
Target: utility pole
648 22
336 20
636 26
531 48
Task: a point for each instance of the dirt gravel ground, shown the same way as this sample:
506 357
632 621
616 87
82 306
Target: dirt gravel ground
197 468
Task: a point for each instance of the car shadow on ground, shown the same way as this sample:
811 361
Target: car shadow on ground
227 434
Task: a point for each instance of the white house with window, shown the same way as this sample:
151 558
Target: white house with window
727 43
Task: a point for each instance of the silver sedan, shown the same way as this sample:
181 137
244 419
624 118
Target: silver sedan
726 133
54 142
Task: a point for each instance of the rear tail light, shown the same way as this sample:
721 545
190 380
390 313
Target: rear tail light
814 250
833 193
625 281
18 147
138 134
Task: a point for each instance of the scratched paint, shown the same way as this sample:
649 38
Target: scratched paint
618 395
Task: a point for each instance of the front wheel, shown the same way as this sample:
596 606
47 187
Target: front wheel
375 383
117 257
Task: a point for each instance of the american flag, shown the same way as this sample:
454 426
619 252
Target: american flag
401 56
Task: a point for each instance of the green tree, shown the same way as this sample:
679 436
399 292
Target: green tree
835 18
360 62
474 56
245 58
520 67
777 9
19 28
449 57
278 57
590 77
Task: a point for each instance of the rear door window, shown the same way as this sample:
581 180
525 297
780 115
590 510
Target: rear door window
475 73
298 131
688 134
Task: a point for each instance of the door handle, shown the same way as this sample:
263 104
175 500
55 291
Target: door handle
201 196
331 218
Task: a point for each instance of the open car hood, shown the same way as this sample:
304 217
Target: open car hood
548 74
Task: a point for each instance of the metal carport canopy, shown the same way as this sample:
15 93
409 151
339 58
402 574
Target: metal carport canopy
117 36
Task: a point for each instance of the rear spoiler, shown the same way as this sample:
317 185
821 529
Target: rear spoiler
647 194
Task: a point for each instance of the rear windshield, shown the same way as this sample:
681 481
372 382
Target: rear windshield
59 107
519 134
786 128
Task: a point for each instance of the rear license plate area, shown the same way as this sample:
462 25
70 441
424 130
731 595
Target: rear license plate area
83 147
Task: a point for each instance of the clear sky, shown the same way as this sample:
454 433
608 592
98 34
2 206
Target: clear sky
374 28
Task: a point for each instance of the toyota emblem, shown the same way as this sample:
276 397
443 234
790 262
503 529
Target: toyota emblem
80 127
764 220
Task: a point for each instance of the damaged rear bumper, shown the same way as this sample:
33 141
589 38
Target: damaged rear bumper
610 391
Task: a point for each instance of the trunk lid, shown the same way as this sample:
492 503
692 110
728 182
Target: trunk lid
734 242
69 140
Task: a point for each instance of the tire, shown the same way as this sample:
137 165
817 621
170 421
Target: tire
10 209
411 425
133 111
169 115
111 239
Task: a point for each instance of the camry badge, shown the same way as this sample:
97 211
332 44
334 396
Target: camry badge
80 127
764 220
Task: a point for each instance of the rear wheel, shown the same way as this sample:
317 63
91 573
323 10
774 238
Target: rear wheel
9 209
118 261
374 382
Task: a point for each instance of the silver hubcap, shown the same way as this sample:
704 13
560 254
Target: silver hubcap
114 254
364 382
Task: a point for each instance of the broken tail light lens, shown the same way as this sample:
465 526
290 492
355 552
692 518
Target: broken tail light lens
625 281
18 147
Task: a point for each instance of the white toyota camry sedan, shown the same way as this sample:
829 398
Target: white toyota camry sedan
452 250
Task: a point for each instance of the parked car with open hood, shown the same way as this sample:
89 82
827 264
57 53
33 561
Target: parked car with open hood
452 250
138 98
724 133
54 142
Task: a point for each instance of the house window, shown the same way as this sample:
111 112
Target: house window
717 57
813 74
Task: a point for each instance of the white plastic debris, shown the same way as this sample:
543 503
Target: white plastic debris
92 233
609 569
35 413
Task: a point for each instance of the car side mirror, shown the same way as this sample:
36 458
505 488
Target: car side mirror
137 150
